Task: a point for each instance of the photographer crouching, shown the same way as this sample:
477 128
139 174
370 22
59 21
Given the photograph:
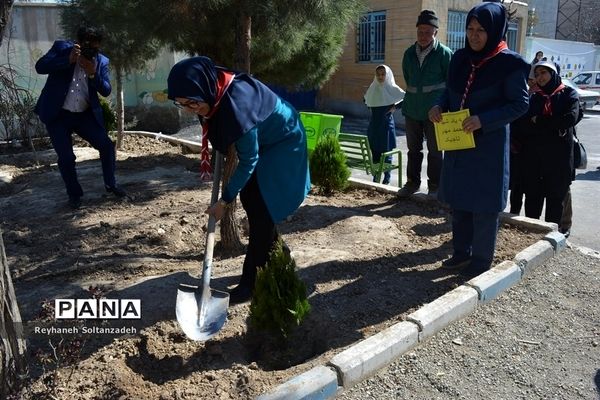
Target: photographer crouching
77 73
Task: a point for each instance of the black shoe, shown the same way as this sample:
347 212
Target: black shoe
408 189
456 262
240 294
566 232
74 202
432 189
117 191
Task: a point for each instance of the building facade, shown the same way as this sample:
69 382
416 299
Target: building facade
382 35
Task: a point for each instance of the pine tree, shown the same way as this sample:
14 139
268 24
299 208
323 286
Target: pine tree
328 169
279 303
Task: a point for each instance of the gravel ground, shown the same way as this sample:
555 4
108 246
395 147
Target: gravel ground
539 340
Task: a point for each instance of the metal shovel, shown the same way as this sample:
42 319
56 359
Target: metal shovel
202 311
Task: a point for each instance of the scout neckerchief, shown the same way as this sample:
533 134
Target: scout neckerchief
223 81
474 67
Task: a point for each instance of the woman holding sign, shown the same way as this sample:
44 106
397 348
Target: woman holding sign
490 81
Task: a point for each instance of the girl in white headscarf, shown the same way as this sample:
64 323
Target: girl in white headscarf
382 97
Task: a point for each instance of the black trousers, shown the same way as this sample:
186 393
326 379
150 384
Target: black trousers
85 125
534 202
263 232
416 132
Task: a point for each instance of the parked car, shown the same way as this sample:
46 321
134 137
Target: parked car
589 80
587 98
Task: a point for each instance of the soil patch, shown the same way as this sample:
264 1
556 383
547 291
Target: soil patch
367 258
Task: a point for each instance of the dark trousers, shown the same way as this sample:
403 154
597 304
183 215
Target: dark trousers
566 220
85 125
534 202
376 159
416 131
263 232
474 234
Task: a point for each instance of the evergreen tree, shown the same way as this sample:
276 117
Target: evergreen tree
328 169
290 42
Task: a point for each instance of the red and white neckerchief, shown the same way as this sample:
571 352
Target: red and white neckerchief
548 98
224 79
474 67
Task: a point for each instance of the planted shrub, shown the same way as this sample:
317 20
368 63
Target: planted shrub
279 303
328 169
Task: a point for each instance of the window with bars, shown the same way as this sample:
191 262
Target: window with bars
512 35
457 21
370 38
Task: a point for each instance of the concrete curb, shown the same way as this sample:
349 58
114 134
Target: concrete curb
366 357
318 383
534 255
370 355
492 283
557 240
448 308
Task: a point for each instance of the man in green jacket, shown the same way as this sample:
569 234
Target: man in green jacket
425 69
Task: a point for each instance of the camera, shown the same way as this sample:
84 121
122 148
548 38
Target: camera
88 51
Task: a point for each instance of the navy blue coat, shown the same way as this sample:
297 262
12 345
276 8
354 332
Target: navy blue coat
476 180
382 129
55 63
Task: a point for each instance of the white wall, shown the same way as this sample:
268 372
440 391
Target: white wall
573 57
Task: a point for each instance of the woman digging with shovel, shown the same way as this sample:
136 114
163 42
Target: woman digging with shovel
272 175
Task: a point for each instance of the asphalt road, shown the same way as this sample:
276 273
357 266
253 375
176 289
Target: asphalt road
585 189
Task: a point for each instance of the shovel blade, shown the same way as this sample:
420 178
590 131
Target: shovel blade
201 314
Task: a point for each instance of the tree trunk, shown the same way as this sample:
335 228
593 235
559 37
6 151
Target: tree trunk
5 8
13 363
243 41
120 108
230 235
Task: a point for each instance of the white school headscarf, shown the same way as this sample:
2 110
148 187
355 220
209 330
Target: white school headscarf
386 93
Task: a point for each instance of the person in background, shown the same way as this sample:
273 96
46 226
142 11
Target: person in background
77 73
538 57
272 175
490 81
425 70
547 132
382 98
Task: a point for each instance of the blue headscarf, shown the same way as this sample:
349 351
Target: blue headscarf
246 102
493 18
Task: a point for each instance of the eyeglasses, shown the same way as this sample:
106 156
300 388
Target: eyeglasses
189 104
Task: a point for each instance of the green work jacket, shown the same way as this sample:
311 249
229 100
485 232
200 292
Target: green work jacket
424 83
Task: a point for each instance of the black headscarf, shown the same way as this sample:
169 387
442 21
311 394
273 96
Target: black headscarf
246 102
493 18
